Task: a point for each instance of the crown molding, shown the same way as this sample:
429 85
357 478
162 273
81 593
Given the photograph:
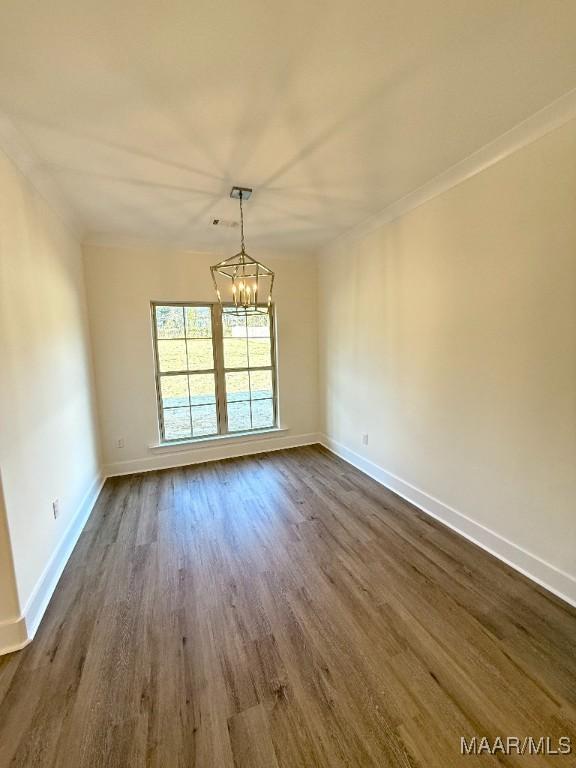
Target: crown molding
19 151
553 116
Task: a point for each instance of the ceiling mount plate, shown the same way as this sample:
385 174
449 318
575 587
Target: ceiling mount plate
246 192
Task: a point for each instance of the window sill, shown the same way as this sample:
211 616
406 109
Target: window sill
185 445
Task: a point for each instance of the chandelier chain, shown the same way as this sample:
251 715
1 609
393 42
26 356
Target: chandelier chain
241 223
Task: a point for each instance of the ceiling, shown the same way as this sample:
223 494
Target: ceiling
143 113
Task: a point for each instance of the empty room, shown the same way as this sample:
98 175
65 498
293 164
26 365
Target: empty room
287 384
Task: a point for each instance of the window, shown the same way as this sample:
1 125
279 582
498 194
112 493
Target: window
215 371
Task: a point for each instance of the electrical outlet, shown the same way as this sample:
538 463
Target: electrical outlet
120 442
56 508
365 439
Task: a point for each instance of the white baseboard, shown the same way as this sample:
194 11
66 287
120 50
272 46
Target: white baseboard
19 632
182 457
13 635
44 589
545 574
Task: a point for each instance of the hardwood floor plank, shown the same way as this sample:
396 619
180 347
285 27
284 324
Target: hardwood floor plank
283 610
250 738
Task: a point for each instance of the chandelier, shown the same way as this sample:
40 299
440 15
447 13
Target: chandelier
242 284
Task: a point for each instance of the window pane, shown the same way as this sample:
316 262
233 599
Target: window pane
174 391
233 326
235 353
260 384
202 388
198 322
200 354
237 386
259 326
187 378
204 420
262 414
171 356
170 322
177 423
238 417
259 352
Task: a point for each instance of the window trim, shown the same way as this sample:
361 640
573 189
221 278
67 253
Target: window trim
218 370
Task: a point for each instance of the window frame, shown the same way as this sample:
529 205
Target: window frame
218 370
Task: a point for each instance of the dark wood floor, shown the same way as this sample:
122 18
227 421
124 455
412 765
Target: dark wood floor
282 610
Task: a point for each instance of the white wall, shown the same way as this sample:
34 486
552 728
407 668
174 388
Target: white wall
449 336
11 633
48 445
121 283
